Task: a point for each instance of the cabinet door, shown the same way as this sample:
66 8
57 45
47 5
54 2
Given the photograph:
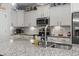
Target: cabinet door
3 23
20 17
75 7
60 15
30 18
46 11
17 18
43 11
14 20
54 17
66 15
33 18
27 19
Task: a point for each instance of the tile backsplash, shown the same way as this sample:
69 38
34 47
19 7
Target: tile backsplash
63 30
31 32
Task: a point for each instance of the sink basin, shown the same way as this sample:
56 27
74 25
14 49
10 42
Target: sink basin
62 46
57 45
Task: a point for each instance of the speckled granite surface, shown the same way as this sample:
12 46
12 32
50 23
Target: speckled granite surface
24 48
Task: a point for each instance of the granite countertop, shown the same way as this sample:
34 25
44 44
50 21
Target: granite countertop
22 48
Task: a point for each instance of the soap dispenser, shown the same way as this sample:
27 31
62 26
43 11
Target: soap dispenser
36 41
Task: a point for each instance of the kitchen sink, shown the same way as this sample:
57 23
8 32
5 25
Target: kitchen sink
57 45
61 46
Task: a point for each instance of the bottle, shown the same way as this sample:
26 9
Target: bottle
36 41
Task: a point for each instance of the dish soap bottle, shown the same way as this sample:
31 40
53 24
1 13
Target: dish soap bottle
36 41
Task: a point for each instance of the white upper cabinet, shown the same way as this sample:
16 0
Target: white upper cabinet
60 15
27 19
66 18
75 7
30 18
14 18
18 18
33 18
43 11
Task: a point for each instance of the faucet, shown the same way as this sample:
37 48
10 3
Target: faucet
46 35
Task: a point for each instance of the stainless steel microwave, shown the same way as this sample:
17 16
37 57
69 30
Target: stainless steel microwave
42 21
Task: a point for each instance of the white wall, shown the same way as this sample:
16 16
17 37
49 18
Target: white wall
5 22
